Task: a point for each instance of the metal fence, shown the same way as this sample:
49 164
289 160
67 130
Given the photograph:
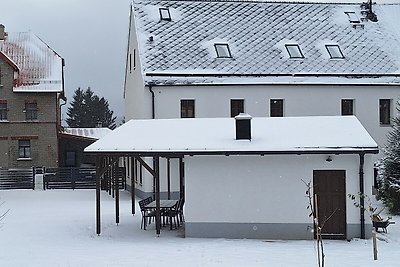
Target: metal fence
17 178
69 178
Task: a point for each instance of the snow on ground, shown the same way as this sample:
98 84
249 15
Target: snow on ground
57 228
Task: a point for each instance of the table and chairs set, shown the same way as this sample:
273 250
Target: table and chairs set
171 212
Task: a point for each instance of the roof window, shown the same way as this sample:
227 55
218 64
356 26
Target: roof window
165 14
334 51
222 50
294 51
353 18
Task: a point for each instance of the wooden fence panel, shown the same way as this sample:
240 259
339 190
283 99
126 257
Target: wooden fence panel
17 178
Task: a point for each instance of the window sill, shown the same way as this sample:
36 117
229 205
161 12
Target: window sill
385 125
24 159
4 121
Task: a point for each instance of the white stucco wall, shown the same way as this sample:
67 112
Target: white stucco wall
317 100
268 189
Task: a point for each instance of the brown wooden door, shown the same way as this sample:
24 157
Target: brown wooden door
330 189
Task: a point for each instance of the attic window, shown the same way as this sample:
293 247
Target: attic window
334 51
353 18
164 14
294 51
223 50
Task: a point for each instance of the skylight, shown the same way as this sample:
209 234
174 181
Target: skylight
353 17
294 51
222 50
334 51
164 13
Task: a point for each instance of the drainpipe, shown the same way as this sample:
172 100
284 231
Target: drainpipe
153 111
361 173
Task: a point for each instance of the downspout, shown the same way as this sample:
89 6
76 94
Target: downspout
362 216
153 111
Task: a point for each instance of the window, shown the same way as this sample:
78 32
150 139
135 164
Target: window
31 111
70 159
164 14
237 107
353 18
24 149
276 108
187 108
222 50
294 51
347 107
384 111
334 51
3 110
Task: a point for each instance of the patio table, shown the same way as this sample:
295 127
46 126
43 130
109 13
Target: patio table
165 204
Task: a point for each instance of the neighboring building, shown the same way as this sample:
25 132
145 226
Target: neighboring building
219 58
31 88
246 181
72 143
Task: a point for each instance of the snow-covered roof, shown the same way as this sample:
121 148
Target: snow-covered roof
181 50
340 134
40 67
93 133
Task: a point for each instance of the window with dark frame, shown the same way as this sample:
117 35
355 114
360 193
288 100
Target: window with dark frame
31 111
334 51
187 108
294 51
237 107
384 111
347 107
165 14
3 110
24 149
353 18
222 50
276 108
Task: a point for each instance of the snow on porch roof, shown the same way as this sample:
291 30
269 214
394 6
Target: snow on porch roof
217 135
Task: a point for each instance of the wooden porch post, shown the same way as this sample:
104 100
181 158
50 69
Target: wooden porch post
133 179
181 178
169 177
98 168
157 193
116 173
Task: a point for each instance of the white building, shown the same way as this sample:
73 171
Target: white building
250 184
219 58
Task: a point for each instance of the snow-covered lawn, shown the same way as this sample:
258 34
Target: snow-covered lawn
57 228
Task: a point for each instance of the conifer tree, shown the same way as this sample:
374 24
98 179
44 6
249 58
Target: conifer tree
389 169
88 110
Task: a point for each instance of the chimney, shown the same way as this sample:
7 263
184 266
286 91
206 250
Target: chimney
243 126
2 32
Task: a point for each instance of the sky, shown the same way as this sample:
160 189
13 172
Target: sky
91 35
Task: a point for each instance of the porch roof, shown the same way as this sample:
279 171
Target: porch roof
207 136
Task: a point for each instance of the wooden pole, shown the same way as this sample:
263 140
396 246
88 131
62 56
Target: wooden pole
157 193
374 245
133 179
169 177
117 174
98 167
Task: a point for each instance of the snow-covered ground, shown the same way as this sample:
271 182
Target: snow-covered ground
57 228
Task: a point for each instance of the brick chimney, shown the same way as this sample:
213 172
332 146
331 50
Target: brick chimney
2 32
243 126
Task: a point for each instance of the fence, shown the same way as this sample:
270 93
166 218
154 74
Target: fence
17 178
69 178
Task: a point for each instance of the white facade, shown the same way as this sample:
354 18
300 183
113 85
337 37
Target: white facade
260 197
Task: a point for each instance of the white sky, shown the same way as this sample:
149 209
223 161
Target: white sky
91 35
